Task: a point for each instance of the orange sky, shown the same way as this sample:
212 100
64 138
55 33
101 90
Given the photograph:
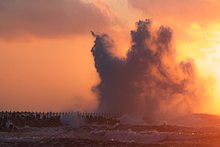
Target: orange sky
45 58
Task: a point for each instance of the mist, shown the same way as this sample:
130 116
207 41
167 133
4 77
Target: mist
149 81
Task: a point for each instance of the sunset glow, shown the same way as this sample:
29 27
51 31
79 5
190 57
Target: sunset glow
45 47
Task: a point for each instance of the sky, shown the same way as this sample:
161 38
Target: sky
45 47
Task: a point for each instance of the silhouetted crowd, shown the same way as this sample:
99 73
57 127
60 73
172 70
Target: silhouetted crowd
10 121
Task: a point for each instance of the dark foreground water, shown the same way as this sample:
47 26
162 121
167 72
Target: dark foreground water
197 130
117 135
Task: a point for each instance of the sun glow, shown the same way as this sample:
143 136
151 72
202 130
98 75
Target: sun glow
203 45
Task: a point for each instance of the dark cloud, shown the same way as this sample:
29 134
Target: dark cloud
149 81
50 18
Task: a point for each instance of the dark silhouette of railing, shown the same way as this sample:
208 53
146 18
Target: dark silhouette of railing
100 118
13 120
10 121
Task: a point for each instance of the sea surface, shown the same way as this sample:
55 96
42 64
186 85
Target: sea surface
202 131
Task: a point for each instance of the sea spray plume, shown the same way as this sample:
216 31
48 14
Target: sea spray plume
110 70
149 81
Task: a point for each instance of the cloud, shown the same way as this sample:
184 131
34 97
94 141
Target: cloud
180 11
50 18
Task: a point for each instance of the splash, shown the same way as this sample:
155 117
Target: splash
149 81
